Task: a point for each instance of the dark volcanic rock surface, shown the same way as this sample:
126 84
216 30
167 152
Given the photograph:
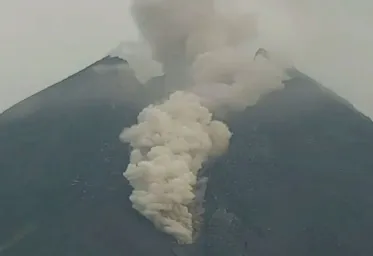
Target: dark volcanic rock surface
297 179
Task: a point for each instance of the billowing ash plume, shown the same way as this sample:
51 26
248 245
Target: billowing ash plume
208 70
170 143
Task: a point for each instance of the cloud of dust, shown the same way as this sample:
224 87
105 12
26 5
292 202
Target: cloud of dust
205 56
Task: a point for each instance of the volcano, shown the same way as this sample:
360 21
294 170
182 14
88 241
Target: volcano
297 178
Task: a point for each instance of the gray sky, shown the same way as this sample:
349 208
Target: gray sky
43 41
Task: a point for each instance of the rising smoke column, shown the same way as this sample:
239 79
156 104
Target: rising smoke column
207 69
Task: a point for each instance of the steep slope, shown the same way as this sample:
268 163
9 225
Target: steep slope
296 180
299 175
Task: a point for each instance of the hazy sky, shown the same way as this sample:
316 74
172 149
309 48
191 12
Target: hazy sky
43 41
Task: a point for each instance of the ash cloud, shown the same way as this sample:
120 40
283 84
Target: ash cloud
205 56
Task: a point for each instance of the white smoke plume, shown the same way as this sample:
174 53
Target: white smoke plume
208 69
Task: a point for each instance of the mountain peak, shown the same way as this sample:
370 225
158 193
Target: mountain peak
138 56
296 179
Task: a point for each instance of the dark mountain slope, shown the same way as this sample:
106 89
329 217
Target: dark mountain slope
299 174
297 180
